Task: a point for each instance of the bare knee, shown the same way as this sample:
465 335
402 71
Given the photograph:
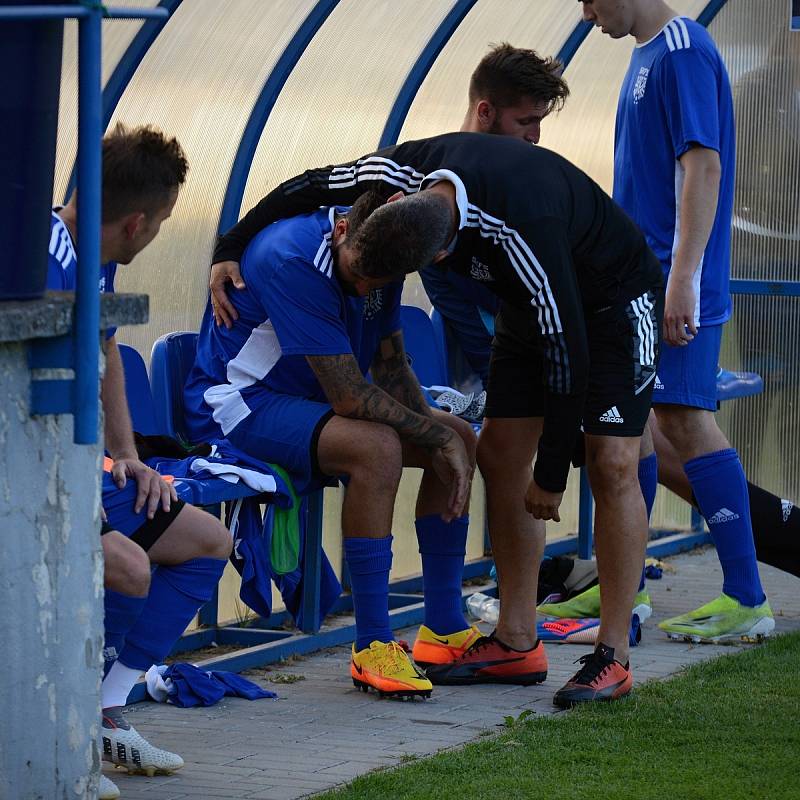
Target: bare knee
377 456
126 566
464 430
212 539
611 473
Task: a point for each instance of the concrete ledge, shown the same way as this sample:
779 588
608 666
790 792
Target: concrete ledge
52 315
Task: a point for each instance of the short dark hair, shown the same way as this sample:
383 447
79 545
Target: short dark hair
507 74
141 167
394 239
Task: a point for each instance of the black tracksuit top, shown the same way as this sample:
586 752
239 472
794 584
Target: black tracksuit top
533 227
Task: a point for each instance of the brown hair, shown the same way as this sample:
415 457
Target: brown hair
506 74
393 239
141 167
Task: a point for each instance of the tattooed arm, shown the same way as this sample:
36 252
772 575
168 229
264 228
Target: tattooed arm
351 395
391 371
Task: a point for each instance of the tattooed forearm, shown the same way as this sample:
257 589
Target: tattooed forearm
352 396
391 371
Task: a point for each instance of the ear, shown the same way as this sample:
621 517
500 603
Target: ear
395 197
485 113
133 223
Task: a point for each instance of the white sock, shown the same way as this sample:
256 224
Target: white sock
117 685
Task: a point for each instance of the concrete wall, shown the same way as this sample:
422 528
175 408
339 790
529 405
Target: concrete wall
51 579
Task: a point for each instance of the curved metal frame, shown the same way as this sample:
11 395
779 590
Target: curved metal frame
127 66
422 66
263 108
573 43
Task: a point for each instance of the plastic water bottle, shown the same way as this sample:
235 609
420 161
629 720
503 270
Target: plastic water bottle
484 607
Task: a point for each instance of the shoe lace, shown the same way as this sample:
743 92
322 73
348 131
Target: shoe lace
592 668
392 659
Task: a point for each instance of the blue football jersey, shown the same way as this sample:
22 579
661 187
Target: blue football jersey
293 307
676 94
62 263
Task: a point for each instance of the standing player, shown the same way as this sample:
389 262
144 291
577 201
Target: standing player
287 384
576 341
674 166
142 173
510 92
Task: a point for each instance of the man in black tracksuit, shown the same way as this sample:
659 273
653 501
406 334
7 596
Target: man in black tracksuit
576 345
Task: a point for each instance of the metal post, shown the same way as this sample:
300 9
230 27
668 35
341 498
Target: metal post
585 509
312 563
87 296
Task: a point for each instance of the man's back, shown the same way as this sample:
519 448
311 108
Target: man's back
293 307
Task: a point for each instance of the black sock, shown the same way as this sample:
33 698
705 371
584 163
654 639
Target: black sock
776 529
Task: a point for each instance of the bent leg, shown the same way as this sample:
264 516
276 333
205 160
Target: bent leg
506 448
371 456
620 533
126 565
442 545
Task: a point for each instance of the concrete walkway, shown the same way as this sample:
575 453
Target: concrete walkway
322 731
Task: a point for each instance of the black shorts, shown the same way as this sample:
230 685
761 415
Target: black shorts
623 354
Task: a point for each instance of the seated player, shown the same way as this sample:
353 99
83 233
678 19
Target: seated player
288 384
142 172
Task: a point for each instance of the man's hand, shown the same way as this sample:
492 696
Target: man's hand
542 504
152 488
679 312
452 466
221 273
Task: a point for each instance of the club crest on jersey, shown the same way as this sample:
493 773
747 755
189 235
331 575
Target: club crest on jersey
373 303
102 283
479 271
641 84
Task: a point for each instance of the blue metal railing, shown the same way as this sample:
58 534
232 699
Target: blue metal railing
422 66
83 401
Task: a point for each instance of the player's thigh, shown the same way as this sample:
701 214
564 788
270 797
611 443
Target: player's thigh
623 354
285 430
118 505
360 448
687 376
514 397
194 533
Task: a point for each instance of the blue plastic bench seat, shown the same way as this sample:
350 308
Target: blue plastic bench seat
732 385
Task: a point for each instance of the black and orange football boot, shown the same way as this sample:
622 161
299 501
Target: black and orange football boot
489 660
600 678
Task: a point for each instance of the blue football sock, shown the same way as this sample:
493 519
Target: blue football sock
720 487
121 614
443 546
176 595
648 481
369 562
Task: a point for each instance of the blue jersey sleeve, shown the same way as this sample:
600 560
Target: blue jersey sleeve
305 308
56 275
689 89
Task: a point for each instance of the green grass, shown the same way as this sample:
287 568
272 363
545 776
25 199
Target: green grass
726 729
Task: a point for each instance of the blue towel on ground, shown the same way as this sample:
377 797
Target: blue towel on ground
187 686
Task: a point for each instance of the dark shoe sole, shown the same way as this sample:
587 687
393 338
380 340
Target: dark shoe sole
530 679
570 701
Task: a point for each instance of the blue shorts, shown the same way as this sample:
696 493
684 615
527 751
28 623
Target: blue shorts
687 376
284 430
118 505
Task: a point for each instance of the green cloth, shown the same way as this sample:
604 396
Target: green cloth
285 546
